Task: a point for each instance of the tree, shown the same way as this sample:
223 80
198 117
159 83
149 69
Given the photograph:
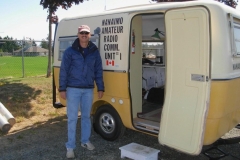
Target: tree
231 3
52 6
8 44
44 44
34 43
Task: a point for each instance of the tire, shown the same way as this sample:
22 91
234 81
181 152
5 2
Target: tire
108 124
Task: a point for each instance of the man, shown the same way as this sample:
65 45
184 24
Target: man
81 66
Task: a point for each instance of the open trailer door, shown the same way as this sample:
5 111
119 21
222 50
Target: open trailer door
187 79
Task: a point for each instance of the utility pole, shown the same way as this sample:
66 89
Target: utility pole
23 58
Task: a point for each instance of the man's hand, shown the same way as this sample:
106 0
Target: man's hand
100 94
63 94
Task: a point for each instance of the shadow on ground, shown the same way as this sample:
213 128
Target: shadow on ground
16 97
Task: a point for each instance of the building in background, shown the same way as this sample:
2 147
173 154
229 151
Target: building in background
31 51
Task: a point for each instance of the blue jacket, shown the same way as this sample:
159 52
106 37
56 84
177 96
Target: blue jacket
80 71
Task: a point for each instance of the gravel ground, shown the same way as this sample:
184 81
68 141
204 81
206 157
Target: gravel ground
46 141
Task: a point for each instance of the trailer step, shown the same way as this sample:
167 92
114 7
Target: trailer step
138 152
146 125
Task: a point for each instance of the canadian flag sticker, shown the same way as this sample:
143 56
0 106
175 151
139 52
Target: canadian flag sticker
109 62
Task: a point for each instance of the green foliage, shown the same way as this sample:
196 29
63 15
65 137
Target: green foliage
44 44
34 43
53 5
9 45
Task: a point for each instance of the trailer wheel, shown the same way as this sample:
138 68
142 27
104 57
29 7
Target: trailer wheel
108 123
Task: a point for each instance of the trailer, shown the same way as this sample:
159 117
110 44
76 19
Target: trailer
171 70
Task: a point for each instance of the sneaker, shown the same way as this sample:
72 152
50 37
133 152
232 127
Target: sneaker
70 153
88 145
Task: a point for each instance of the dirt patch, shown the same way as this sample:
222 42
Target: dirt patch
40 131
46 141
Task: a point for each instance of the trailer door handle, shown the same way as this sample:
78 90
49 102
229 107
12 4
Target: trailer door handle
198 77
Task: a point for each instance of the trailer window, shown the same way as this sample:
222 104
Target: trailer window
237 37
65 42
153 51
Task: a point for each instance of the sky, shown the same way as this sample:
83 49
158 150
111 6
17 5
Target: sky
24 19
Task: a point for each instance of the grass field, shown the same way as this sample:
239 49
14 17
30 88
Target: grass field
11 67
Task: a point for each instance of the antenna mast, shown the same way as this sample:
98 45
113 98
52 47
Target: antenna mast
105 6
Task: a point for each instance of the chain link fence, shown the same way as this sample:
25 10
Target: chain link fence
25 62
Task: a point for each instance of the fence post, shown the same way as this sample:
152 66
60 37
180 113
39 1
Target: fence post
22 60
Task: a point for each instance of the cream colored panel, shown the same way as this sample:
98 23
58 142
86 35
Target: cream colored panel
187 68
136 66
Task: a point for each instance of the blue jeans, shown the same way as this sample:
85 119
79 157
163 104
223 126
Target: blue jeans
84 98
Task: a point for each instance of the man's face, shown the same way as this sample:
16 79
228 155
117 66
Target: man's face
84 36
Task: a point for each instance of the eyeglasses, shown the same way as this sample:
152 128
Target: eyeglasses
84 33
